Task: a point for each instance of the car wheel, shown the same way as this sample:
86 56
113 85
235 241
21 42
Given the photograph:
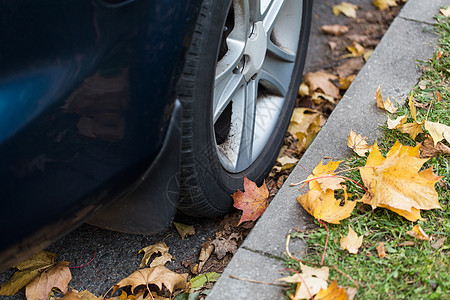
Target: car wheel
238 90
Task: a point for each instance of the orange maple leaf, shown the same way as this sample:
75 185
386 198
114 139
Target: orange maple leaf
395 182
253 202
319 201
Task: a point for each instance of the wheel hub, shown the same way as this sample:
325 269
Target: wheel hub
255 51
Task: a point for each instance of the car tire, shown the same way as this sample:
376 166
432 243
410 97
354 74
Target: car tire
237 91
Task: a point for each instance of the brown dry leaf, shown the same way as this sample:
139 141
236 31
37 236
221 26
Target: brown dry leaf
386 105
438 131
320 81
393 124
346 81
358 143
445 11
438 95
418 233
57 276
205 253
345 8
350 67
287 162
332 292
384 4
28 270
351 242
355 50
222 246
84 295
160 247
319 97
439 243
395 182
310 281
158 276
332 45
429 150
184 230
381 250
319 201
161 260
407 244
303 90
336 29
253 202
301 120
414 128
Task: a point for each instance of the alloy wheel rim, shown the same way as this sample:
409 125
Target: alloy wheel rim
253 76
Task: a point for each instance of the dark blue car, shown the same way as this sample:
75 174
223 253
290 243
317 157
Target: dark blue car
122 112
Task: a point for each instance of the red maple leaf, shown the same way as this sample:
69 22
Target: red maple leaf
253 202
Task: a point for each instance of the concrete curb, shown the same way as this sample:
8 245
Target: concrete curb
393 66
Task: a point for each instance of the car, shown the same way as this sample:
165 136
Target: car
123 112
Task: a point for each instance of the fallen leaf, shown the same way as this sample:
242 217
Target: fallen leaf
395 182
303 90
438 131
351 242
332 45
161 260
287 162
439 243
205 253
253 202
387 104
345 8
309 282
358 144
336 29
381 250
428 148
393 124
445 11
57 276
319 201
350 67
332 292
346 81
198 282
414 128
28 271
356 50
407 244
418 233
160 247
158 276
184 230
320 81
318 98
301 120
384 4
84 295
351 293
222 246
367 54
438 95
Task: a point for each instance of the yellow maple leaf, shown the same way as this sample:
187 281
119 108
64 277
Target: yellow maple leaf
309 282
418 233
345 8
351 242
395 182
414 128
358 143
393 124
356 50
319 201
332 292
384 4
384 104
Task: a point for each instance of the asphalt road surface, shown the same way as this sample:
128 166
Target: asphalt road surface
116 253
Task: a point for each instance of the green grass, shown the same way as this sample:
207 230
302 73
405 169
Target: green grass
406 272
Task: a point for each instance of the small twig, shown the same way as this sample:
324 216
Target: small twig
288 253
304 182
257 281
356 283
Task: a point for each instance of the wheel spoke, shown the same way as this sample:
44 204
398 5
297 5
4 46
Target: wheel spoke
248 108
271 14
224 91
282 54
277 74
255 10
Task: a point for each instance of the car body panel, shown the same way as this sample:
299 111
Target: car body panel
87 89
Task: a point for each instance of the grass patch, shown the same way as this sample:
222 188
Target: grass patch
411 269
